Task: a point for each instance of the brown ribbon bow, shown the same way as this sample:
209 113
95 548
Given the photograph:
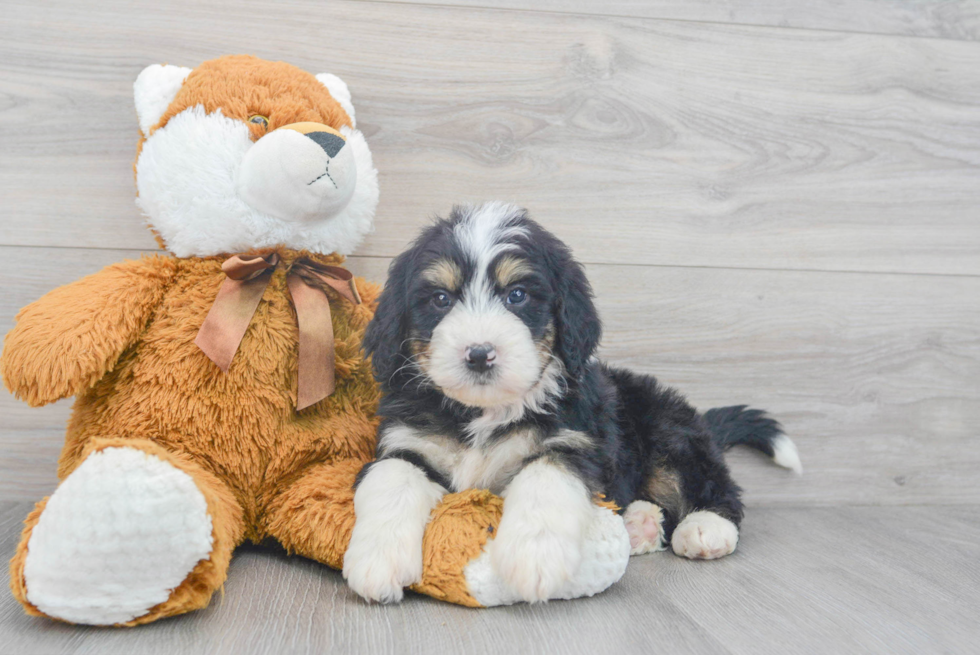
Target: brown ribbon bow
239 296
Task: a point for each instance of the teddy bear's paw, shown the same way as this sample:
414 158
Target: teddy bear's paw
116 537
704 535
644 523
535 563
380 571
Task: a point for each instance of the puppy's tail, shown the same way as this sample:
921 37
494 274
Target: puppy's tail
737 425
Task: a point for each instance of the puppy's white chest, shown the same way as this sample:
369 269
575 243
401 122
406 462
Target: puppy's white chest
492 466
482 465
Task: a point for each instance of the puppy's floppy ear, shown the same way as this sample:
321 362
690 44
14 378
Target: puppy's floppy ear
577 325
385 335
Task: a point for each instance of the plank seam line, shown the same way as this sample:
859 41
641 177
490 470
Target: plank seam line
584 261
667 20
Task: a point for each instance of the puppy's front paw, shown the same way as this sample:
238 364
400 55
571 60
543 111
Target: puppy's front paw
535 563
380 571
704 535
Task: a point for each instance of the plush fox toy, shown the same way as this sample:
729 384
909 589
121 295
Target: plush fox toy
222 393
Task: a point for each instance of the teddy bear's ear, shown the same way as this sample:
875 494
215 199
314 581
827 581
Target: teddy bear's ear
338 89
154 90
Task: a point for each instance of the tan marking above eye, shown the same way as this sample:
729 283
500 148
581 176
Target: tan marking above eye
445 274
512 269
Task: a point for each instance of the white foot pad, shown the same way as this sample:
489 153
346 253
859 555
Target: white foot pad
704 535
116 537
644 523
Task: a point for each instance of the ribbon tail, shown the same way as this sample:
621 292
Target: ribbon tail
316 347
228 319
340 280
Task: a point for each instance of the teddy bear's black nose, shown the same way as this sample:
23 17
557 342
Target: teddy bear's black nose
330 143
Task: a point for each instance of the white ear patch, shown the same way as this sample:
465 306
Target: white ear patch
338 89
155 88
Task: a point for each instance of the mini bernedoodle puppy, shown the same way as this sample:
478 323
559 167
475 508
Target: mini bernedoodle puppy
483 344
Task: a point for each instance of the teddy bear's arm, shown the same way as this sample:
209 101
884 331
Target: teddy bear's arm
67 340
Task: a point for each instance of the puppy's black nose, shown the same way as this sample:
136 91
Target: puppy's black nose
331 143
480 357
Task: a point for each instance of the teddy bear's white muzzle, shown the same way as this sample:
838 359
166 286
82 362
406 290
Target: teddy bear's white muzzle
298 176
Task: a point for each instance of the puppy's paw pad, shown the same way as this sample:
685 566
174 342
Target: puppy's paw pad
644 523
536 567
704 535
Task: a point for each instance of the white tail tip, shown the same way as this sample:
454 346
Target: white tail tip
785 454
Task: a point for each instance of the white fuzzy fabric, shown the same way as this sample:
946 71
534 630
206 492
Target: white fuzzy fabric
605 553
338 89
118 535
153 91
704 535
288 176
186 178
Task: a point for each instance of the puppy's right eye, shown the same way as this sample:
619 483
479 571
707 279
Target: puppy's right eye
441 299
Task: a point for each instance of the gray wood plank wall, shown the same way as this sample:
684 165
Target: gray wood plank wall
777 216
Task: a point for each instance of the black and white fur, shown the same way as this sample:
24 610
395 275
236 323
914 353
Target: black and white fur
483 344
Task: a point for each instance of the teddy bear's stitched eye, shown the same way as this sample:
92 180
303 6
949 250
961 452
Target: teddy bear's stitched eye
259 120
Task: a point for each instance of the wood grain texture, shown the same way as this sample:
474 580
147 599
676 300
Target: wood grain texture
639 141
896 580
874 376
943 19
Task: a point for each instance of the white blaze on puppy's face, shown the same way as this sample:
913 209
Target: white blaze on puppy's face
480 319
515 369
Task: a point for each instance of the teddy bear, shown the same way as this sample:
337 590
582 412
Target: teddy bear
222 394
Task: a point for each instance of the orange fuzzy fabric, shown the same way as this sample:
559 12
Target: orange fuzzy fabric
242 86
265 470
131 329
122 342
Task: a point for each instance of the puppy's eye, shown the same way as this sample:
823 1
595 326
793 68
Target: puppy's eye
259 120
441 299
516 296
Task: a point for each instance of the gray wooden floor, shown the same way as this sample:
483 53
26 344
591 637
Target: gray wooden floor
826 580
778 203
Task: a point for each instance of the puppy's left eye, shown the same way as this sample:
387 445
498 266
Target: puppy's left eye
258 119
441 299
516 296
